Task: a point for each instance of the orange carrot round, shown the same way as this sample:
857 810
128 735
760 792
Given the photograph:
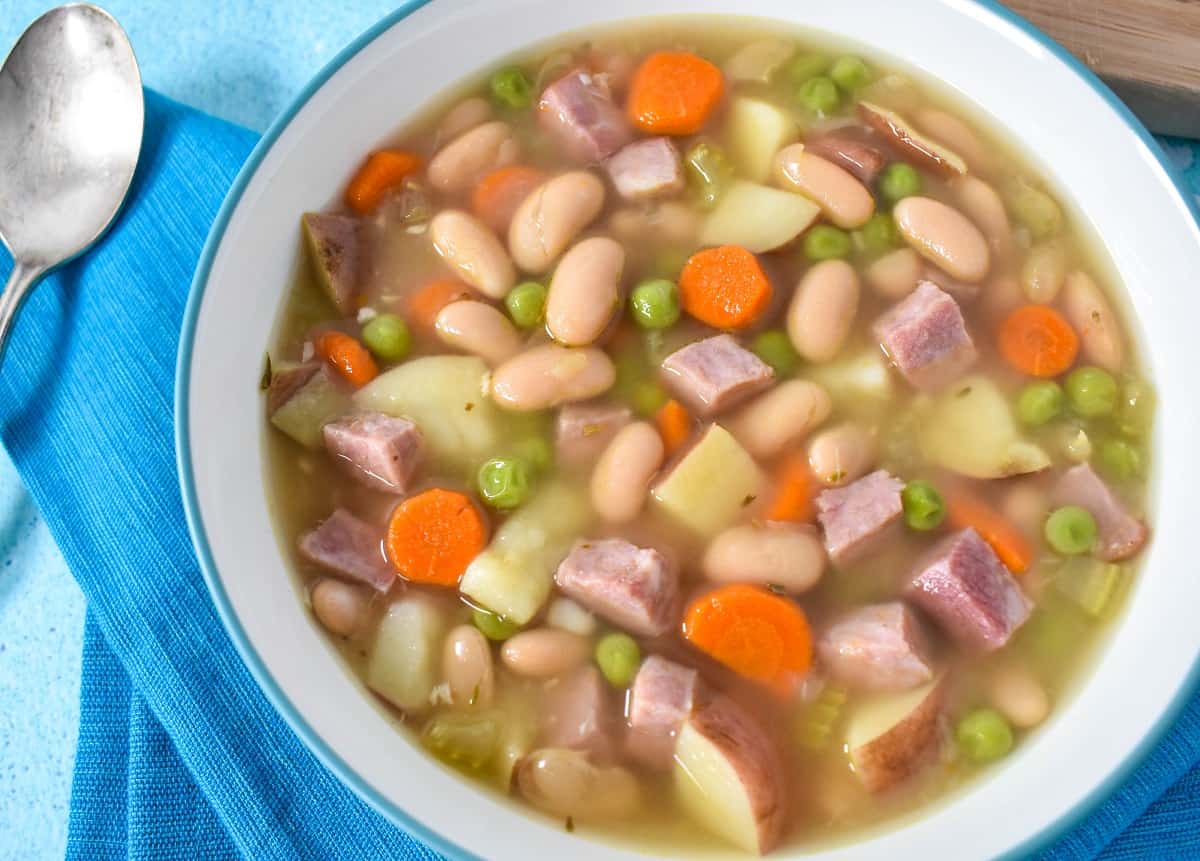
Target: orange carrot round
754 632
423 306
380 173
348 357
1013 548
1038 341
674 92
724 287
793 492
674 425
498 194
433 536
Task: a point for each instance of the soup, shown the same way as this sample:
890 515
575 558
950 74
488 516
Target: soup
707 437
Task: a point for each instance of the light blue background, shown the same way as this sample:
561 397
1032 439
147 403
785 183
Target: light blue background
241 60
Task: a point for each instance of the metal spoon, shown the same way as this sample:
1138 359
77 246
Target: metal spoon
71 114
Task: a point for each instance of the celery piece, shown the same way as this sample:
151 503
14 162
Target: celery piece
1088 582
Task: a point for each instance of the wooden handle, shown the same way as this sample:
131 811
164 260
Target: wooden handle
1148 51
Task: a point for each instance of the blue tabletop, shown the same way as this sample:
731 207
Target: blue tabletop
241 60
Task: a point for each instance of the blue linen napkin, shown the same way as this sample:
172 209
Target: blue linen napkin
180 755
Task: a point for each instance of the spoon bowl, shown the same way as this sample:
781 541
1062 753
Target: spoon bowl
71 117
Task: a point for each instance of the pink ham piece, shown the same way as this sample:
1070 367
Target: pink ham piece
964 586
377 450
660 700
349 548
646 169
857 157
856 517
926 338
881 647
577 110
583 431
579 713
714 374
1120 534
334 246
286 383
632 587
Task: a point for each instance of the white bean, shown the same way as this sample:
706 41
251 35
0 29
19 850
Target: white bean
585 291
569 616
841 454
1093 318
338 606
479 328
461 163
467 245
895 274
844 200
1026 506
1043 272
943 236
463 117
549 375
669 221
823 309
467 667
622 475
983 206
954 133
565 782
1019 696
786 555
550 218
544 652
780 417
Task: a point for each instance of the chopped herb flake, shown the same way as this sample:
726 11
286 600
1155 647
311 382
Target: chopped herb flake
470 406
264 382
776 588
749 498
570 824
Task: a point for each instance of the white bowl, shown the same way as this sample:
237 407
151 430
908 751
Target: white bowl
1084 139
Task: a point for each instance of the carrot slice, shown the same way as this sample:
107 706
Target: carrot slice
674 425
1011 545
380 173
433 536
760 635
724 287
498 194
793 492
674 92
1037 340
423 306
348 357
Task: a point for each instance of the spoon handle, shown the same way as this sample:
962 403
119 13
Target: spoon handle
20 283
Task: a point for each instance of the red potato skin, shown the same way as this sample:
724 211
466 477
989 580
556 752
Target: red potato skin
905 749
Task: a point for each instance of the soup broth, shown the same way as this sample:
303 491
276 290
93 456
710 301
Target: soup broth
709 436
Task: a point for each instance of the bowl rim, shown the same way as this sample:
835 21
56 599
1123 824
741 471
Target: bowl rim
1033 844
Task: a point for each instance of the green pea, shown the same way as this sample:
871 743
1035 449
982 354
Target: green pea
1040 402
504 482
512 89
1034 209
878 235
618 657
536 451
924 508
984 735
647 397
708 172
1136 412
1119 459
526 304
493 626
1092 392
826 242
807 66
850 73
654 304
387 336
898 181
775 348
1070 530
819 95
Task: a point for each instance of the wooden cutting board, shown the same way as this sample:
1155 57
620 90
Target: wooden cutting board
1148 51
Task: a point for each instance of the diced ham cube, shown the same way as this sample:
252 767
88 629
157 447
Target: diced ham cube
378 450
632 587
580 713
925 336
583 431
334 247
350 548
877 648
855 518
646 169
857 157
714 374
578 111
660 700
964 586
1120 534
